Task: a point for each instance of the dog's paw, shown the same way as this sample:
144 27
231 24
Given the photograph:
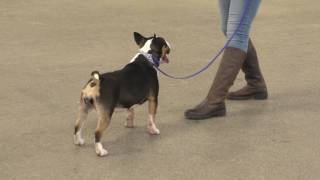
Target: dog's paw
153 130
129 124
100 150
77 140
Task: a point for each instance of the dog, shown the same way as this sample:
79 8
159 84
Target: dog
134 84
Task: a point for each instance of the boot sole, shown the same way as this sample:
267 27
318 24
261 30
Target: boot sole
258 96
207 116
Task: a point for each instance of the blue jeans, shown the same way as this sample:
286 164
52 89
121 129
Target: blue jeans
231 13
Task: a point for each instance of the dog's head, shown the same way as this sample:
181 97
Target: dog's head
154 45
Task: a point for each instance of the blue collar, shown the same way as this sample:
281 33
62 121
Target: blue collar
152 58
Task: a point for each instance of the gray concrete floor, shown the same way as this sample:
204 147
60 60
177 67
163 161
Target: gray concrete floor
48 49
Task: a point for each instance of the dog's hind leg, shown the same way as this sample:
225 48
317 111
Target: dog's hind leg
129 122
82 115
104 118
152 106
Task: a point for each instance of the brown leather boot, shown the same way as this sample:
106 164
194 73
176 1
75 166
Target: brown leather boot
256 87
213 105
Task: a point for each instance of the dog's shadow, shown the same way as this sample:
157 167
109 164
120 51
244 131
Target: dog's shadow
133 141
178 131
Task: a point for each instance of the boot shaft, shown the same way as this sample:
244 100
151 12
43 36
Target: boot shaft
228 70
251 68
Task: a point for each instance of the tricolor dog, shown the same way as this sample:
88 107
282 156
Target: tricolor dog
135 84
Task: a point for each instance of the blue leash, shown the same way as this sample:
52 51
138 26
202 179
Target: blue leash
214 57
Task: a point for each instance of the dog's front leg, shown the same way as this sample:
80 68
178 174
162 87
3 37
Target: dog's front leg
103 122
153 103
129 122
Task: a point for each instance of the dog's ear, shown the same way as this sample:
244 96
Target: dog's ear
140 40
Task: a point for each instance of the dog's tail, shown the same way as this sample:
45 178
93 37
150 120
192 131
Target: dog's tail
95 75
91 90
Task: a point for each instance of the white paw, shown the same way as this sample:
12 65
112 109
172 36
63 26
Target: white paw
129 124
153 130
77 140
100 150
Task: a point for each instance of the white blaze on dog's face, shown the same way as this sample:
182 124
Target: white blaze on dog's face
147 46
157 45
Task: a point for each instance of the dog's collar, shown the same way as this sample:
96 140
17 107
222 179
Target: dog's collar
152 58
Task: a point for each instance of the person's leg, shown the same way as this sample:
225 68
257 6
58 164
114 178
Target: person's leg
234 55
224 13
213 105
256 87
224 6
236 9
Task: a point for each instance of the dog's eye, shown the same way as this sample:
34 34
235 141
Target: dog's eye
166 49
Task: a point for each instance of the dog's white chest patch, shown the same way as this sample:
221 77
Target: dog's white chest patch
134 57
